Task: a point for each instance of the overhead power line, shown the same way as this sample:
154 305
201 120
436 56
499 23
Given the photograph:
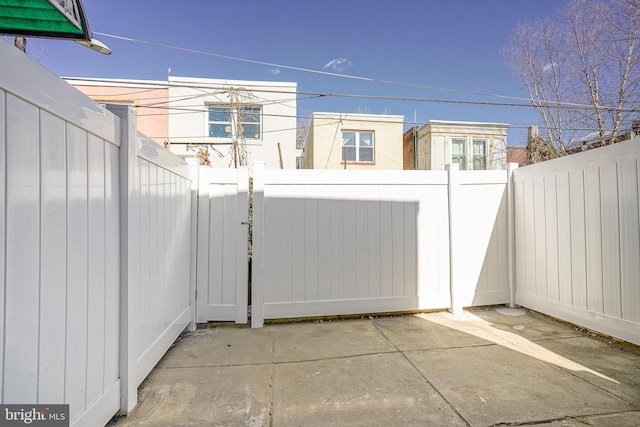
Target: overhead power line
321 72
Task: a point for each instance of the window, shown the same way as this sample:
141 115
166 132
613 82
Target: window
357 146
250 119
459 152
222 120
479 154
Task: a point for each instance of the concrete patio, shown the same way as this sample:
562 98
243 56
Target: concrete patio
489 366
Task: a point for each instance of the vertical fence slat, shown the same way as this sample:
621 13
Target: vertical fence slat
612 304
22 241
564 237
324 242
77 270
578 240
311 244
296 238
373 244
53 244
97 271
229 233
540 234
410 214
349 246
386 241
112 262
629 199
397 242
551 237
361 256
593 228
337 249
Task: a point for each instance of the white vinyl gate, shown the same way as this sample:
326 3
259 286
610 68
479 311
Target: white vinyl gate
222 260
341 243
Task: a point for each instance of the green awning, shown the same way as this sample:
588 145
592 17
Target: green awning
44 18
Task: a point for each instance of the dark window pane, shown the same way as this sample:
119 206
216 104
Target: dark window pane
251 131
219 130
219 114
366 154
350 154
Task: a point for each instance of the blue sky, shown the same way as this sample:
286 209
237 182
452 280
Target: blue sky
452 44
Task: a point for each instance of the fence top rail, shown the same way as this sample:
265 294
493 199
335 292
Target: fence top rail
26 79
627 150
483 177
353 177
152 152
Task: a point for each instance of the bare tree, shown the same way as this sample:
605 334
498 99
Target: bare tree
302 129
582 70
239 100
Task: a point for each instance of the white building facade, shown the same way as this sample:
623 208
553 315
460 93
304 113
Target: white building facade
472 145
237 122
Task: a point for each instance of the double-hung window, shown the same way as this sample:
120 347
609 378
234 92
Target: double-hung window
479 154
227 122
459 152
357 146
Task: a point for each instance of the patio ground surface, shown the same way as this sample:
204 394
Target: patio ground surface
488 366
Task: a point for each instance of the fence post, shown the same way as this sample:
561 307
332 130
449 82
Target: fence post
202 244
511 248
242 248
129 247
257 264
193 200
454 237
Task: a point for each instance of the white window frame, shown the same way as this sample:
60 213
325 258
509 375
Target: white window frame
462 164
474 157
234 117
469 158
357 146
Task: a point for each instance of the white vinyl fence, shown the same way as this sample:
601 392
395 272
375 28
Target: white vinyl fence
97 240
99 270
222 259
158 263
577 239
346 242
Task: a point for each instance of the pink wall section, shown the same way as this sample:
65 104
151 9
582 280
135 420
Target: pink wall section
150 105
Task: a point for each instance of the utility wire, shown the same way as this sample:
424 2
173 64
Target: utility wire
326 73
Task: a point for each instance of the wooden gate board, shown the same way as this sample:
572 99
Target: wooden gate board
222 260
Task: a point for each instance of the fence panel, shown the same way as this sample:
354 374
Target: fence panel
483 268
578 239
335 242
158 282
59 273
222 260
